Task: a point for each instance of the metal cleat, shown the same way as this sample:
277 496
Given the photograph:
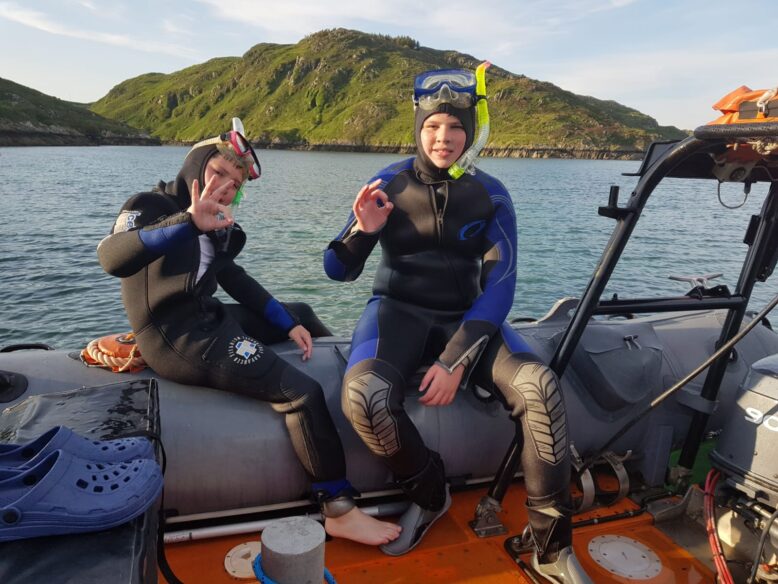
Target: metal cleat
486 521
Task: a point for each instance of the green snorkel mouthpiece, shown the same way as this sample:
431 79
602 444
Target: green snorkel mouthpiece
238 198
466 162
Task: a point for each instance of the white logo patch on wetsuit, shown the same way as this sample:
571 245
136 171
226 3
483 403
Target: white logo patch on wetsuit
245 350
126 221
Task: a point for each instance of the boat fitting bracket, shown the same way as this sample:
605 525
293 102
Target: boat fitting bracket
486 522
679 477
616 463
670 508
520 544
12 385
585 483
612 209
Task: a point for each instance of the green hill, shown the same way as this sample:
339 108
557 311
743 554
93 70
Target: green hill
343 88
32 118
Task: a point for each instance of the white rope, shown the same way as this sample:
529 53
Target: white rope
118 364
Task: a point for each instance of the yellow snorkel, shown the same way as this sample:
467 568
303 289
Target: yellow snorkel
466 162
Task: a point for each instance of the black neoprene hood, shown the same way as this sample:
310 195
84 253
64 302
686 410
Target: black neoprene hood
193 168
465 116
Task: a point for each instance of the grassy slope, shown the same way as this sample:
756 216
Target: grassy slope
24 110
346 87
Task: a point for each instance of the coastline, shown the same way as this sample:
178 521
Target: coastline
68 137
560 152
29 134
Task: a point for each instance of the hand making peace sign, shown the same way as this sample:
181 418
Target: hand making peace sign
207 213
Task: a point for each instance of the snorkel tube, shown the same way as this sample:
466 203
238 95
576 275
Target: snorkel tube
466 162
237 126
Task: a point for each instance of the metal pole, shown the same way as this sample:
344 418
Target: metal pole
618 241
754 263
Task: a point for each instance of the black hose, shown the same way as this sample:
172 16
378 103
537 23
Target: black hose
725 348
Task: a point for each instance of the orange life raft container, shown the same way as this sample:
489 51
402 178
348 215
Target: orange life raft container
747 106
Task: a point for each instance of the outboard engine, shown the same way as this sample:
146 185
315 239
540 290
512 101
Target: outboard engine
745 455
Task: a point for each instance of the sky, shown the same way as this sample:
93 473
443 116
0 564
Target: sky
670 59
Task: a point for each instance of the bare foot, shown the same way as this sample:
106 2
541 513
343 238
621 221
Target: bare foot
357 526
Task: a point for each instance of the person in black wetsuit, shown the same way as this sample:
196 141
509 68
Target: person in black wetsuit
443 288
172 247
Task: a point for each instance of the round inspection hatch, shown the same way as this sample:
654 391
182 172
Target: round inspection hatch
625 557
239 560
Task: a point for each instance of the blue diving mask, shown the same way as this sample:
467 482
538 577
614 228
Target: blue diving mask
454 86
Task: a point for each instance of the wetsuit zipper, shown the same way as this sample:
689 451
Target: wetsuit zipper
438 211
434 205
439 214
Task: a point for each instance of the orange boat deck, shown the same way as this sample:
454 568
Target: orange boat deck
451 552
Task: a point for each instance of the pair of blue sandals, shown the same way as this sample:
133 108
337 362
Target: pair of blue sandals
64 483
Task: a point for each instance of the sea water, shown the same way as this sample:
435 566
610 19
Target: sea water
57 203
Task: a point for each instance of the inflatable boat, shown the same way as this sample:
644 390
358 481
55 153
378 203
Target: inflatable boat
657 390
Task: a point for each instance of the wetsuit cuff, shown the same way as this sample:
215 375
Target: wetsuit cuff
184 217
345 259
361 232
161 237
450 370
466 345
280 316
356 240
328 490
194 227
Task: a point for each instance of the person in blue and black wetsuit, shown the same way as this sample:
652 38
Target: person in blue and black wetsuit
442 291
172 247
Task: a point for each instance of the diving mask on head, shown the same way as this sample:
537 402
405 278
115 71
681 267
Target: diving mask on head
461 89
240 146
454 86
237 144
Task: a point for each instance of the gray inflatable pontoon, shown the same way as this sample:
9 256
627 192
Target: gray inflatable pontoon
227 453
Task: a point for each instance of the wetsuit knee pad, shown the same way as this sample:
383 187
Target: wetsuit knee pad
372 391
535 392
427 488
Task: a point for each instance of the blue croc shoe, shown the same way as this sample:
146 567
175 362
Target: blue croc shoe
66 494
62 438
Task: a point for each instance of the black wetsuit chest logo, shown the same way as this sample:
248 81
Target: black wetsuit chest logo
245 350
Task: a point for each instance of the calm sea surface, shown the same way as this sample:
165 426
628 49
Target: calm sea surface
57 203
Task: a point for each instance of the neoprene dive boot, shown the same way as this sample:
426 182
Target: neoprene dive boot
430 498
551 527
565 570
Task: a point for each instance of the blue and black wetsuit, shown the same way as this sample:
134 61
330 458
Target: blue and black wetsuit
187 335
442 292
